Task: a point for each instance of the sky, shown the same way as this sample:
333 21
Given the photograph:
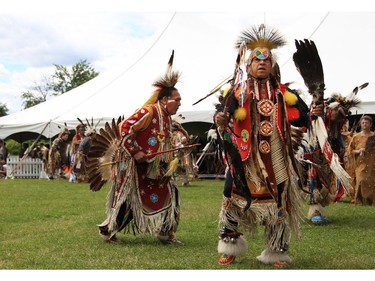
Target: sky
32 43
36 35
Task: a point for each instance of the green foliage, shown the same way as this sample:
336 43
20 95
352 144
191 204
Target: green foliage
3 109
13 147
30 99
53 225
37 94
65 80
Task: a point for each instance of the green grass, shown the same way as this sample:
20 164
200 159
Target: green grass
52 225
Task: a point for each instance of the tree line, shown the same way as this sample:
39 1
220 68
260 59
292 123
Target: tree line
62 80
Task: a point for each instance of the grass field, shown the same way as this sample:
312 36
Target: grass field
52 225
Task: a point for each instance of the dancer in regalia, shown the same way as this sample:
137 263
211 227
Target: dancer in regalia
135 156
263 182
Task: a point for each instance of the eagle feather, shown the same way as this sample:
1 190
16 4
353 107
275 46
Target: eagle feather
309 65
103 150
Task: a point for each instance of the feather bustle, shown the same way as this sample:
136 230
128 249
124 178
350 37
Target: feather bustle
103 150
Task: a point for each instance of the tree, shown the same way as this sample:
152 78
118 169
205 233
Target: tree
3 109
65 80
38 94
30 99
61 81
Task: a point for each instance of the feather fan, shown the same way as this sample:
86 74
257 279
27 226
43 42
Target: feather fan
103 150
309 65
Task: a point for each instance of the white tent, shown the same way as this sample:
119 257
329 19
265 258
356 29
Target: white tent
122 90
205 54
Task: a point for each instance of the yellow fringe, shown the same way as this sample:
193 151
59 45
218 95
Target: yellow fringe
172 167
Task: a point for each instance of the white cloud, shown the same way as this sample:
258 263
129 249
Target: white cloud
33 42
34 38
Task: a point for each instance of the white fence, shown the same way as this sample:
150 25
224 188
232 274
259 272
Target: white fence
27 168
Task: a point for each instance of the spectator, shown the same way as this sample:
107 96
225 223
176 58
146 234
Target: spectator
357 158
3 158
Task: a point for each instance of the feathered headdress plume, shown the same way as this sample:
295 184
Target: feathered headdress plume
261 40
348 102
168 80
80 127
90 128
261 36
63 130
179 119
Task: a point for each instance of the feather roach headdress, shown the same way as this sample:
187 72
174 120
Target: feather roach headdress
89 126
63 130
345 103
179 119
168 80
176 123
261 40
80 127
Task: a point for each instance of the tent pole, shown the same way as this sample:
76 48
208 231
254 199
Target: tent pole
32 146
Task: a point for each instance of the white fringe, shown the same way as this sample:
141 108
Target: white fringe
268 256
129 191
279 230
233 249
321 132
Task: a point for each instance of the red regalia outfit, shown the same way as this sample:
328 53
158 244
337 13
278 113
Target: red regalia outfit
144 195
262 136
141 191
